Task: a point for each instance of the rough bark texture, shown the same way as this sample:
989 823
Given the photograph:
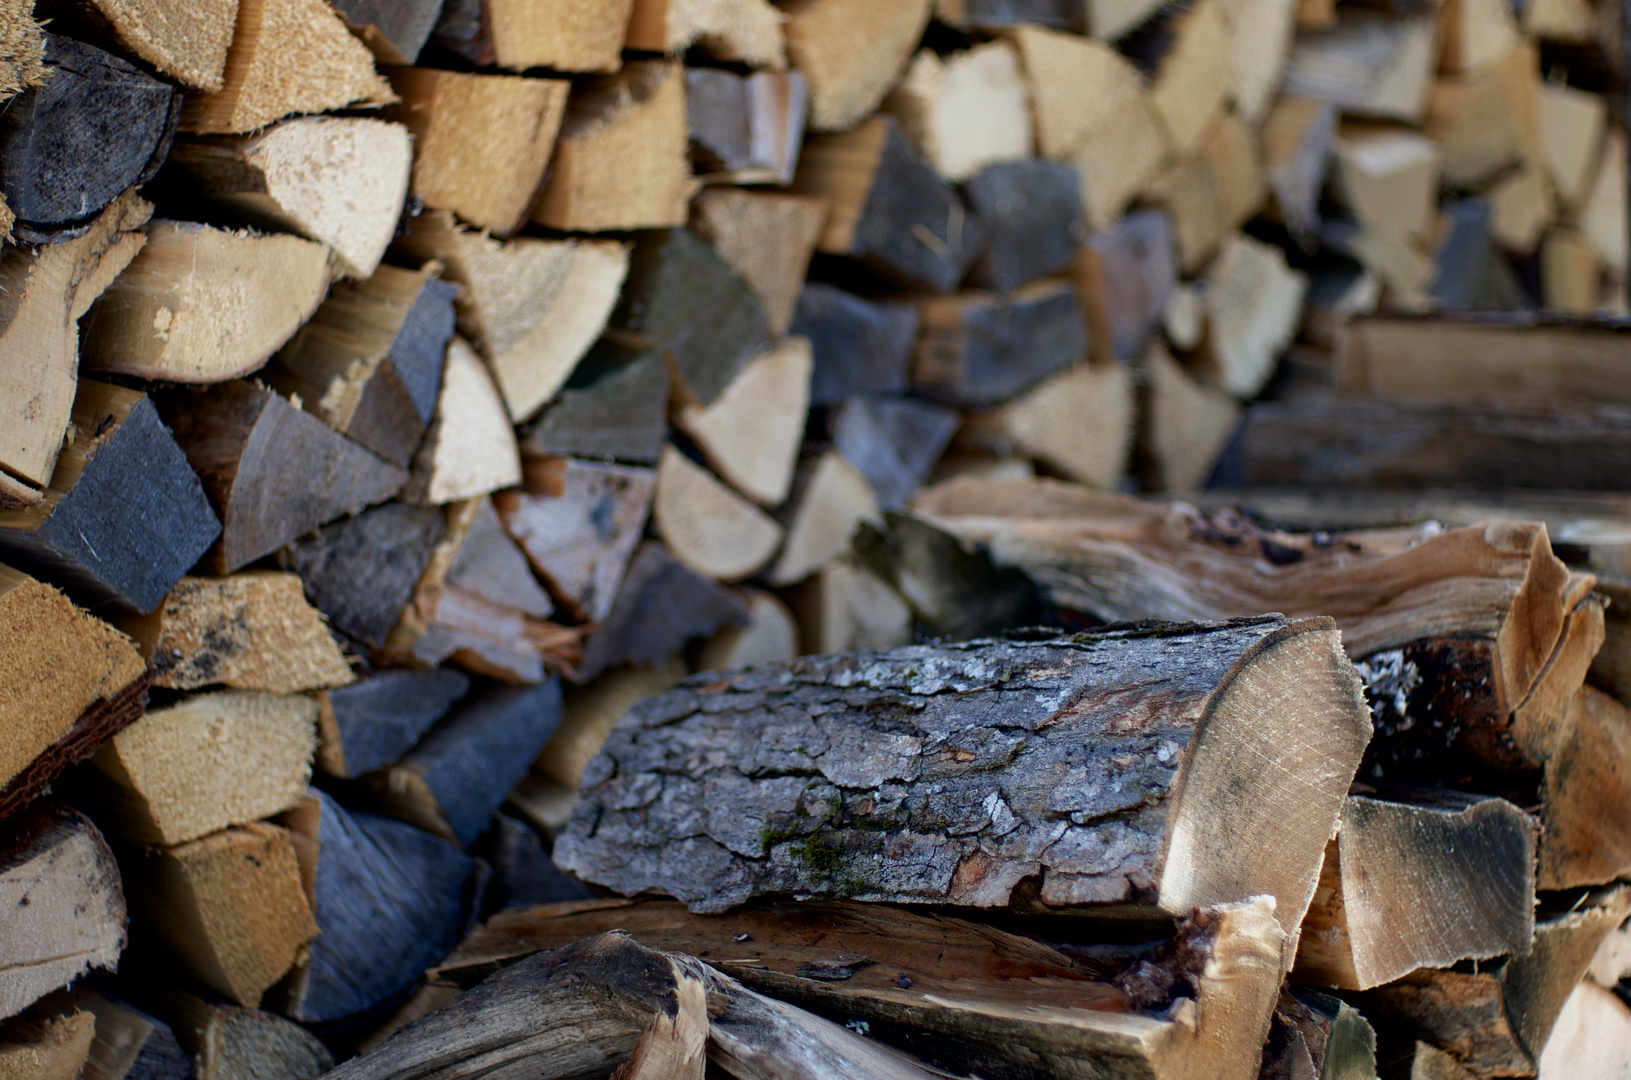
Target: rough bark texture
1176 766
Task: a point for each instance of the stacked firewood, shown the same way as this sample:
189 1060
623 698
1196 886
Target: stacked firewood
400 402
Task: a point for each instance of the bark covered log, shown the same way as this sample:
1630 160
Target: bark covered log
1173 767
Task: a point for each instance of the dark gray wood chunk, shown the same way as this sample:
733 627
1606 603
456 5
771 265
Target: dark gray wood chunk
895 442
381 717
406 24
96 127
465 30
682 294
472 759
954 593
133 524
858 346
391 901
1134 274
717 107
161 1057
523 872
420 346
1001 348
492 565
1058 14
1033 211
613 408
361 571
914 228
660 606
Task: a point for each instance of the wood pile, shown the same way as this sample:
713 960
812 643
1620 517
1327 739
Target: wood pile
523 527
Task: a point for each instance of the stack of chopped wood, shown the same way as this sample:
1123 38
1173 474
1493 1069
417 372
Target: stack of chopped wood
396 398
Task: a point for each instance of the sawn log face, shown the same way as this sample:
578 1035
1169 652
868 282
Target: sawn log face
1177 766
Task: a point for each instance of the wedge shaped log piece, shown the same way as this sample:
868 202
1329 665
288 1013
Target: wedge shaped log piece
1074 788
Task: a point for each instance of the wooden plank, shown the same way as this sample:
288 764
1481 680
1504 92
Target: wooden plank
374 721
272 471
1033 212
859 346
767 237
614 407
851 52
983 348
966 111
360 571
470 447
97 127
660 606
746 128
124 517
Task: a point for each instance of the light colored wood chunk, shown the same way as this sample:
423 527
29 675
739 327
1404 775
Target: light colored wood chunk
1389 179
767 237
852 52
481 142
1121 160
22 48
1080 422
591 712
831 500
1259 42
1602 218
621 161
1591 1037
967 111
1569 21
771 636
49 288
1368 64
1486 122
564 35
227 758
1571 124
470 447
746 30
184 39
1183 319
340 181
531 307
711 529
752 431
1520 209
1476 34
1192 84
1192 194
1076 87
846 606
49 1048
1232 151
1253 306
1108 20
287 56
1570 272
1185 426
203 305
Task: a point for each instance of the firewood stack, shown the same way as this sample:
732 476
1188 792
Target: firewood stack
523 527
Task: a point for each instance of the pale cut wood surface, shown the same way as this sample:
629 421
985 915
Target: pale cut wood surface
991 822
568 35
593 709
227 758
52 1047
287 56
1191 86
710 528
128 1043
770 636
1121 160
1486 121
186 40
767 237
1253 306
1368 64
844 606
965 113
62 908
1259 36
1080 422
749 31
470 447
830 499
1076 87
1571 125
851 52
1186 426
22 65
752 431
1592 1037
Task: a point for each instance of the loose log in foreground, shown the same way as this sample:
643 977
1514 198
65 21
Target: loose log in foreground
1150 767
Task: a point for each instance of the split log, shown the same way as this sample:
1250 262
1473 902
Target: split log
1076 87
47 1044
230 907
769 637
200 304
213 761
1571 124
518 36
965 112
746 128
1442 878
1232 151
1395 442
23 65
124 516
271 471
227 1042
389 901
129 1043
894 442
969 998
1123 280
1081 422
607 1001
68 911
579 537
40 344
1033 212
859 346
983 348
1320 1037
621 160
1336 297
592 710
523 874
287 56
249 631
376 720
681 293
1485 121
844 606
1602 217
1260 37
749 31
1496 1019
1441 357
96 686
830 499
767 237
1192 196
613 407
852 53
1192 79
507 123
450 784
360 571
192 51
335 180
1586 841
1476 34
1253 306
752 431
1184 427
890 209
1520 209
660 606
1183 319
1570 273
1368 64
1121 160
394 32
95 128
1219 671
470 447
1298 137
1592 1036
710 528
531 307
